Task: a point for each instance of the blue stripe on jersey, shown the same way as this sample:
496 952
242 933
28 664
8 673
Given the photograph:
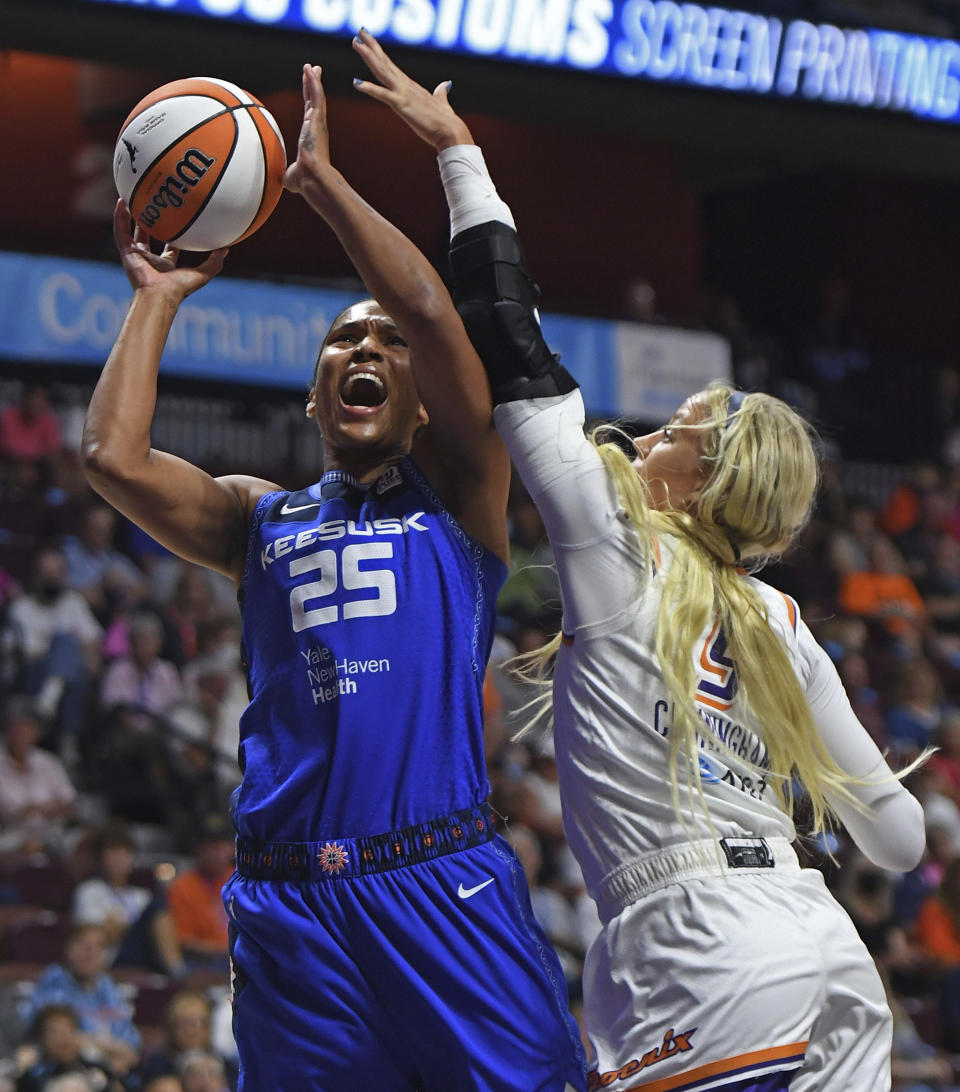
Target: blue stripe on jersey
367 622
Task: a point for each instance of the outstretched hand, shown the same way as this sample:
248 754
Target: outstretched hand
144 269
430 116
313 147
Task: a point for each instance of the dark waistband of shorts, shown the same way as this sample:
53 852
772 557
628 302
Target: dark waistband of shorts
346 857
688 861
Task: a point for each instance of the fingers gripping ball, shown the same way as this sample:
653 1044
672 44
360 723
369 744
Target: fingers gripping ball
200 163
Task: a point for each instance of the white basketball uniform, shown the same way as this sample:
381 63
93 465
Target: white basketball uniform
722 962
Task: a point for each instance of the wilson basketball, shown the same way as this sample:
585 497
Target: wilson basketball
200 163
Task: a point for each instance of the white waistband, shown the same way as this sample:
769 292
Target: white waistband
633 880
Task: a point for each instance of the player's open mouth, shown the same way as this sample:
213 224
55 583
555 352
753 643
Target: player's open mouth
363 391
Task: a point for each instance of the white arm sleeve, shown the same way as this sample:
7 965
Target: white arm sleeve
891 834
471 194
594 546
560 468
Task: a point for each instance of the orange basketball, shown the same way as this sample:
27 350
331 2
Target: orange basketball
200 163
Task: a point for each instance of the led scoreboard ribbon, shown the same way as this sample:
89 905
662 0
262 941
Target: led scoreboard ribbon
660 40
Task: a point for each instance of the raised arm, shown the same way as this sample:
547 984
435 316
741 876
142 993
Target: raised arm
495 296
198 517
461 452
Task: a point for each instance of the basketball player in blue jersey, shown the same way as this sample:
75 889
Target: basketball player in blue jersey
687 696
381 933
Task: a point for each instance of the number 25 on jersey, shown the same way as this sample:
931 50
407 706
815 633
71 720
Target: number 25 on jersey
335 571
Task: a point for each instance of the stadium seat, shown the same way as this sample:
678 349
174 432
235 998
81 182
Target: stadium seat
42 883
150 993
37 938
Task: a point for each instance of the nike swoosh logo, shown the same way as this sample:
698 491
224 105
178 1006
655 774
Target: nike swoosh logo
286 510
466 892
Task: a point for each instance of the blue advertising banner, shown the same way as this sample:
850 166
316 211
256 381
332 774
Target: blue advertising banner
716 48
62 310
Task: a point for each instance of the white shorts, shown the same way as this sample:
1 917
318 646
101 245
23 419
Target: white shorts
720 975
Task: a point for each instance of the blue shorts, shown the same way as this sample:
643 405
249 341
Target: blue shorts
431 976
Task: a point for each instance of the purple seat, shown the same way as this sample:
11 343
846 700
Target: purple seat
37 938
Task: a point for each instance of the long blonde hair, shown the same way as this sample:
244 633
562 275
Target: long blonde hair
760 480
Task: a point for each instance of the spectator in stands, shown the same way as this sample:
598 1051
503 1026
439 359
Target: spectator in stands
757 360
12 1052
915 1064
836 360
36 794
25 518
136 921
803 572
194 895
937 931
883 591
902 509
203 1072
12 1028
166 1083
918 542
143 684
850 543
62 1050
640 300
58 638
854 671
192 604
215 684
30 430
556 916
71 1082
867 894
188 1028
946 761
937 926
913 888
202 778
96 568
527 633
941 817
494 724
82 983
130 758
542 780
203 729
939 584
916 708
531 583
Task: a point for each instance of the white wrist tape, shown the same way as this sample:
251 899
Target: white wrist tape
471 194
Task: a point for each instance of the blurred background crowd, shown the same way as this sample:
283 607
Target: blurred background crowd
817 241
123 681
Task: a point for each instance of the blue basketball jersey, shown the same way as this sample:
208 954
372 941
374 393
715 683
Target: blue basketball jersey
367 622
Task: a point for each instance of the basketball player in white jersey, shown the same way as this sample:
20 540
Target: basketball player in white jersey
688 700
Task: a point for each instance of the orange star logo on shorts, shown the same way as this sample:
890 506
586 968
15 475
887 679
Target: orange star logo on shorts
333 858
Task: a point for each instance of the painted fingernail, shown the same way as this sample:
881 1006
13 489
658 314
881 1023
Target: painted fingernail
357 81
449 86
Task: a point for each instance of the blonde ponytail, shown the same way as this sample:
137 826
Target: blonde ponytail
761 476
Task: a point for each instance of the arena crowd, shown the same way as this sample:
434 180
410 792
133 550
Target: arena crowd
122 672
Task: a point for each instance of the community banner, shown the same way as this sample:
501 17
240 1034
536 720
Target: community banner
254 333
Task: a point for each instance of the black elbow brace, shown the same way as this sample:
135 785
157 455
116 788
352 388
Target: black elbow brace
497 299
